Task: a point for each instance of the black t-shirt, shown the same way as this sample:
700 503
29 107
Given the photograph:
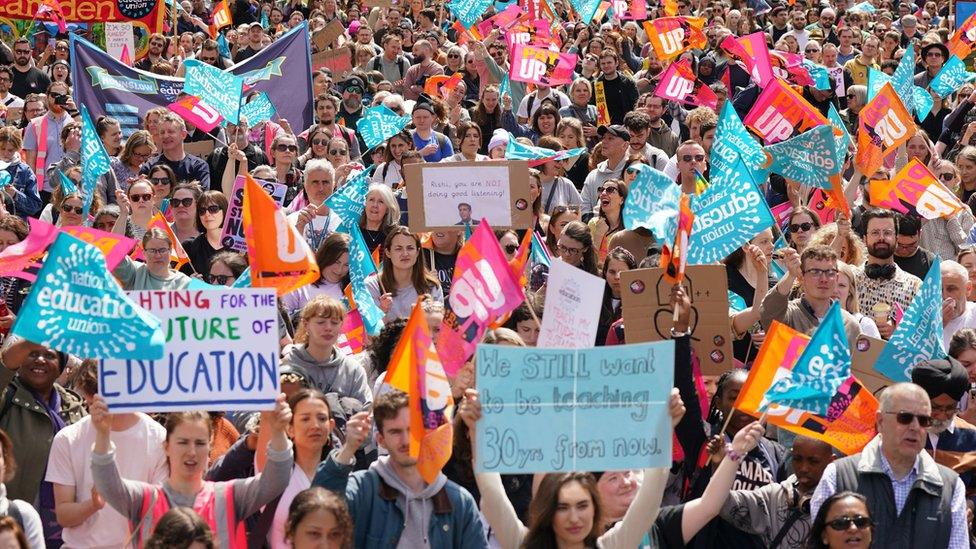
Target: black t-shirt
918 264
246 53
444 266
665 533
26 83
199 251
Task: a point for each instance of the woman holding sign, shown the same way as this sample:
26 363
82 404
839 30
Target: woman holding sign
223 505
403 276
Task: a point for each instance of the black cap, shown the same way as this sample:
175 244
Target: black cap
942 48
941 377
615 130
423 106
353 81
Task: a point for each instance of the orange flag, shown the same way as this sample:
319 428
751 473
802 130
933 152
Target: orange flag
675 259
884 124
670 36
280 257
961 42
670 8
415 368
916 191
221 18
849 423
178 256
835 196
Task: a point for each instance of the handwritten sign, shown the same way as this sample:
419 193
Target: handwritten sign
448 195
221 353
572 312
119 37
233 235
552 410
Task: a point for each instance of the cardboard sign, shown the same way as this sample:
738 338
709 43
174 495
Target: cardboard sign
200 148
221 352
326 38
572 310
863 356
119 37
648 314
555 410
339 61
497 191
233 235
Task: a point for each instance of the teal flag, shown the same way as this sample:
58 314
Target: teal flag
819 372
810 158
349 202
918 336
379 124
468 11
94 159
733 141
360 268
518 151
952 75
221 90
845 140
652 201
77 307
67 185
258 109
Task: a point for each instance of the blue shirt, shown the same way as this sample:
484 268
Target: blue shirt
445 148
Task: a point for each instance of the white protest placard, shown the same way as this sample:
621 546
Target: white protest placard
119 37
233 235
572 311
221 354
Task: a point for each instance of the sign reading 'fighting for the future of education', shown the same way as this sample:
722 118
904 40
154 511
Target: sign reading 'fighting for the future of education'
221 352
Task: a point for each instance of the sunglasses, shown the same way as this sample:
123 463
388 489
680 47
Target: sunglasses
211 209
453 56
905 418
287 148
609 189
320 141
68 209
948 176
511 248
335 152
160 181
800 227
219 280
354 90
695 157
181 202
843 523
141 197
632 170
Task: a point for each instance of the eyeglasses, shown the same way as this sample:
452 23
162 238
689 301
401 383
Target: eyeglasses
800 227
286 148
336 152
142 155
211 209
320 142
881 234
141 197
609 189
453 56
695 157
68 209
511 248
564 250
632 170
181 202
220 280
160 181
843 523
157 251
817 273
905 418
948 176
851 96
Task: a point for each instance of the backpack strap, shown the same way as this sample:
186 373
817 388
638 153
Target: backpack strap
376 63
528 106
794 516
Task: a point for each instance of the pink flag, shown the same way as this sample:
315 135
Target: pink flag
528 32
751 50
126 57
484 288
196 112
630 10
680 84
781 213
23 259
540 65
113 246
353 336
501 21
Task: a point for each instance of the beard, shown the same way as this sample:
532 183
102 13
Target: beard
938 427
881 250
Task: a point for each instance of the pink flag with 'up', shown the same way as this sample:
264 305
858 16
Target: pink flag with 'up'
539 65
484 288
196 112
680 84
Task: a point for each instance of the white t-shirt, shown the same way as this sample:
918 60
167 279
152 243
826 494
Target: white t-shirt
298 482
139 454
966 320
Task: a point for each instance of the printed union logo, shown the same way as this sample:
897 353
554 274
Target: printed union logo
136 9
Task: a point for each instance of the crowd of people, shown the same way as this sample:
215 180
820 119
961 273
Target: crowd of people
331 465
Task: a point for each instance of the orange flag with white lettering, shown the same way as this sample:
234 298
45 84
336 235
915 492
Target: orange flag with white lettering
178 256
883 125
280 257
221 18
670 36
915 191
415 369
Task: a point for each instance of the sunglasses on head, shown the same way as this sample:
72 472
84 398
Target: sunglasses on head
141 197
843 523
211 209
695 157
68 209
800 227
905 418
219 280
181 202
286 148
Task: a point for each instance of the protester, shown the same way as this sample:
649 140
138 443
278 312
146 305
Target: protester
842 521
22 514
211 211
155 273
315 514
181 525
404 275
881 282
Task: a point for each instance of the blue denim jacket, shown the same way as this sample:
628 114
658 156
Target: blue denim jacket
378 515
27 202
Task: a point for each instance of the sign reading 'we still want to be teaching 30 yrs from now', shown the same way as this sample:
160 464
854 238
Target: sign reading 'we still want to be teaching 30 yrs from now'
556 410
221 353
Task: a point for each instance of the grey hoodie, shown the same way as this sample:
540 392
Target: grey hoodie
339 374
417 506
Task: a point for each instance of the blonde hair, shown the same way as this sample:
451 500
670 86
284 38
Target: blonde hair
851 302
856 250
320 306
503 336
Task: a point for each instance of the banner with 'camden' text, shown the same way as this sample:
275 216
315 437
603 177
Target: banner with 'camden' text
109 87
142 13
